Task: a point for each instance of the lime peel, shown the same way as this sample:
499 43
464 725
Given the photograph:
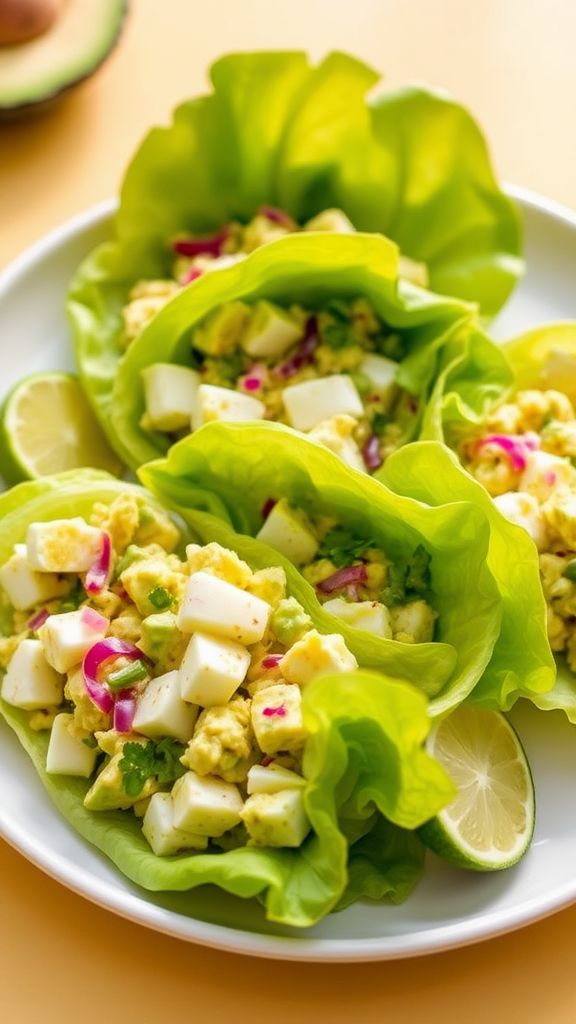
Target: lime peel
489 825
47 426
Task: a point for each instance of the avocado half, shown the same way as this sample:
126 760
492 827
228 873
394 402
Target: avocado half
80 39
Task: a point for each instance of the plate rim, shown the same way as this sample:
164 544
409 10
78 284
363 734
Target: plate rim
135 907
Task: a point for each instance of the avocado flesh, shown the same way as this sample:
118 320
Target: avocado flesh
72 48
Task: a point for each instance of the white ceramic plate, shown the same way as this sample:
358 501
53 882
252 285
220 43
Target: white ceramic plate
450 907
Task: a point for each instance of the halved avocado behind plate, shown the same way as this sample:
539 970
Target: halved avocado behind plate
73 46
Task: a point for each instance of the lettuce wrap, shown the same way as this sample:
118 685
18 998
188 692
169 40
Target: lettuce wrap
367 773
310 270
429 472
246 465
409 163
539 360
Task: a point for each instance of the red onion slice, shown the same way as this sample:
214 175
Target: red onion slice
343 578
202 246
191 275
124 711
304 354
269 712
38 620
371 453
267 507
100 652
277 216
99 573
514 448
91 618
272 660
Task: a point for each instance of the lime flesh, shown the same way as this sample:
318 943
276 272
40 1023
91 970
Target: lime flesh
47 426
490 823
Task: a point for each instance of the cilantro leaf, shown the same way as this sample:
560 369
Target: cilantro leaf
143 761
379 422
342 547
408 578
418 575
339 309
392 347
337 335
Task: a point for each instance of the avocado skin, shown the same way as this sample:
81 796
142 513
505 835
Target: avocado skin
12 111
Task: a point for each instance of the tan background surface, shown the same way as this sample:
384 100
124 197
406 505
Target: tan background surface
513 63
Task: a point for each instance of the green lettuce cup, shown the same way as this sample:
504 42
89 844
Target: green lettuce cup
280 134
519 451
368 779
249 465
430 472
418 332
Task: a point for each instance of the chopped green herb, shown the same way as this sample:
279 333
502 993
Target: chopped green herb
379 422
570 571
418 575
407 579
74 598
160 598
132 554
226 370
338 308
127 676
391 346
141 762
395 591
342 547
337 335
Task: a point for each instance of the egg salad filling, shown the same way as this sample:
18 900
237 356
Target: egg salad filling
174 684
353 578
525 458
195 256
329 373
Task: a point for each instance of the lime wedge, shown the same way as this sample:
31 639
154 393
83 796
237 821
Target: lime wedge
490 823
47 426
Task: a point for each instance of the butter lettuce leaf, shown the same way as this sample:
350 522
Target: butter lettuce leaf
304 268
364 755
411 164
429 472
245 465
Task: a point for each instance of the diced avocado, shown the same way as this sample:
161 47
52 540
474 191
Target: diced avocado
162 641
71 49
289 531
133 553
271 331
289 621
107 792
142 579
221 332
86 715
156 527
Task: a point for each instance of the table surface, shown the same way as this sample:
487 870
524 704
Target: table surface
512 62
